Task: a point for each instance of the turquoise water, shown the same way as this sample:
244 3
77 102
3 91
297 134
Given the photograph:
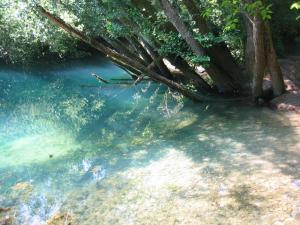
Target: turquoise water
75 150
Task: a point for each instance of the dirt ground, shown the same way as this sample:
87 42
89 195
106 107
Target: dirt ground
290 101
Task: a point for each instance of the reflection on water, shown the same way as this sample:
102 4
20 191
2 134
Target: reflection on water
76 151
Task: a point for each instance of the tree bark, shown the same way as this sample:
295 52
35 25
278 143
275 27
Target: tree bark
224 83
273 65
158 60
188 72
144 49
260 56
249 48
126 51
219 52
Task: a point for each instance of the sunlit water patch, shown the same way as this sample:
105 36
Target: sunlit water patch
73 150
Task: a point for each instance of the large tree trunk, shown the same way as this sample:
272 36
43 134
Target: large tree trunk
219 52
261 56
149 12
249 49
223 82
273 65
190 75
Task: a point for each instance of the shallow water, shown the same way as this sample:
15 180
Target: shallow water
74 150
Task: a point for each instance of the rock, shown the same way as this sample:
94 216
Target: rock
96 169
22 186
287 102
2 210
59 218
7 220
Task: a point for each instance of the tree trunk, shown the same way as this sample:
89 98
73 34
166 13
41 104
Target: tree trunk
158 60
188 72
219 52
145 49
126 51
273 65
224 83
249 49
260 56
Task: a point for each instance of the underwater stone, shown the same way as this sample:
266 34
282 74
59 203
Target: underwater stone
5 216
22 186
59 218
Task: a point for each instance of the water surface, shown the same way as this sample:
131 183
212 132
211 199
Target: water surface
74 150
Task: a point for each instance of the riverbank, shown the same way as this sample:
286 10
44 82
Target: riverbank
289 101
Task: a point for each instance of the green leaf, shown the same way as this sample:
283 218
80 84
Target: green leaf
296 5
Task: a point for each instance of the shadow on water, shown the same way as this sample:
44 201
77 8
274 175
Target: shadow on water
232 129
78 136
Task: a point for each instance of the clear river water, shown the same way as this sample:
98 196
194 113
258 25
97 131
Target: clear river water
76 151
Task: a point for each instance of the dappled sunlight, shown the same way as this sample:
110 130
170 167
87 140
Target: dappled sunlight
142 155
36 149
174 186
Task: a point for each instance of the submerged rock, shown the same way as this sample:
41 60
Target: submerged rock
7 220
6 217
2 210
59 218
22 186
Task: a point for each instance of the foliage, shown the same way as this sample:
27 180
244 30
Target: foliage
25 35
198 60
209 39
285 27
171 44
296 5
259 7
